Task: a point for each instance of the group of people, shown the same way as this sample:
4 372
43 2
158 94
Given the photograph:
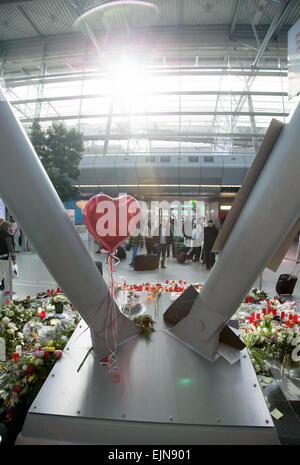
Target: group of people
198 240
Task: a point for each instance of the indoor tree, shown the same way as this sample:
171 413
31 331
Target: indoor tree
60 150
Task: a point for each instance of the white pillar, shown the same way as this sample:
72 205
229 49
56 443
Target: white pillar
269 213
30 195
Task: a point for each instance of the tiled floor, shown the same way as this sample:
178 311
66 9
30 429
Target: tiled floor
34 276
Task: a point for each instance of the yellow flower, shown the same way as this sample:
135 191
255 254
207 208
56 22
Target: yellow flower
50 349
50 343
31 378
1 367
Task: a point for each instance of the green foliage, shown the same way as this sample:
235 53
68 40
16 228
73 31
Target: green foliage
145 323
60 151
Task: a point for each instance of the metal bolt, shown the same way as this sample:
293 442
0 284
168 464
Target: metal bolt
124 415
254 385
267 421
68 348
78 412
218 420
53 375
170 418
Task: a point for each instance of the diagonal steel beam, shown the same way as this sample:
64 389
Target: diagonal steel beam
252 24
275 26
29 20
235 16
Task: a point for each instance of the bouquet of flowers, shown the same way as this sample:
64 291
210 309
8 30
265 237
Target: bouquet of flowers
24 376
256 296
145 323
268 338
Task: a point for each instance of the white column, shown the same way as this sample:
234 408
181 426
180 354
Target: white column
30 195
269 213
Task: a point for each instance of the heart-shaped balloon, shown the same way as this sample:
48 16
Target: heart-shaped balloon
111 221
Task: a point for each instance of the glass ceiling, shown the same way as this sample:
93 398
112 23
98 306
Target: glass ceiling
134 110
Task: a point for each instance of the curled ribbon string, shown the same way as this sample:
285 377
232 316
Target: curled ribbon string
110 360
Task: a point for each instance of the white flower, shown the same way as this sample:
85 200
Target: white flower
10 331
295 354
20 335
5 320
38 362
296 341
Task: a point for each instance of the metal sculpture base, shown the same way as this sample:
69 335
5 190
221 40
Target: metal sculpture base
168 394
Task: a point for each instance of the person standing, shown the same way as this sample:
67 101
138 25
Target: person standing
210 235
6 248
163 241
197 238
136 241
149 240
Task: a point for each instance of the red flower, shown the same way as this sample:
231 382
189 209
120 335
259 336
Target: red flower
290 316
295 319
250 300
251 319
274 312
17 388
167 282
42 315
58 290
146 321
28 297
46 355
16 357
7 302
30 368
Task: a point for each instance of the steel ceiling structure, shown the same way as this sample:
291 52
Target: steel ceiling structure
214 72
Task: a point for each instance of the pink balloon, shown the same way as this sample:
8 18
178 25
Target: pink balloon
111 221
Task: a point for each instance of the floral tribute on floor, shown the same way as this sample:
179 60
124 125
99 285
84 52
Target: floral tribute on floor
271 331
131 302
33 334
